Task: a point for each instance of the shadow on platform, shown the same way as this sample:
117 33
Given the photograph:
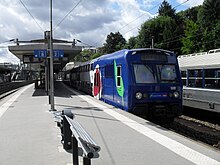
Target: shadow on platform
59 91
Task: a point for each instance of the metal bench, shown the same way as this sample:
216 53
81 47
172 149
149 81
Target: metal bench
73 134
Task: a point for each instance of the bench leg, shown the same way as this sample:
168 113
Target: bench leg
86 161
75 151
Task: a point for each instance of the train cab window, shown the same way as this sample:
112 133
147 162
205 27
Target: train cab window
144 73
118 76
167 73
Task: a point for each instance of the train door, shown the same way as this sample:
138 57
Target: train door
108 82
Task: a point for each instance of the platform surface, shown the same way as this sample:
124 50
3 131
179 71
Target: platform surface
29 135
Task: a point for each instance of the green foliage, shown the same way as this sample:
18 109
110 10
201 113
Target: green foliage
211 11
96 55
191 40
166 9
216 35
132 43
85 55
193 30
114 42
161 29
192 13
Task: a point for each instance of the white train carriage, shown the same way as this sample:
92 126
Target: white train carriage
201 80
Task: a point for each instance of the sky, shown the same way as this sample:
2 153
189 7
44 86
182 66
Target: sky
89 21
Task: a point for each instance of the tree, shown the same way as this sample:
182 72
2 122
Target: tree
132 43
146 32
85 55
191 41
211 38
216 35
192 13
96 55
162 29
114 42
212 10
166 9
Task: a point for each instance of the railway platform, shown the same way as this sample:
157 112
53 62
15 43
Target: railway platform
29 134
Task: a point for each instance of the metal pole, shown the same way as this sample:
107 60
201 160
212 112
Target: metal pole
152 42
46 77
51 61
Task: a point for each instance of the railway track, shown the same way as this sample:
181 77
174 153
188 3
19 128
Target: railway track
8 88
201 126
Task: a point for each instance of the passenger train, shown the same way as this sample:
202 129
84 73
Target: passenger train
201 80
141 81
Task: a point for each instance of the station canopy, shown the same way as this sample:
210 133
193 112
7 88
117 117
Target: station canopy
26 52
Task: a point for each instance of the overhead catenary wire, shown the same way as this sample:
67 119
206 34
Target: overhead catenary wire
67 15
138 17
154 14
133 20
199 34
141 16
3 42
198 43
31 15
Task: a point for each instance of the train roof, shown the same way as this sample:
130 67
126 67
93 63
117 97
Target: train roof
71 65
124 52
199 61
152 49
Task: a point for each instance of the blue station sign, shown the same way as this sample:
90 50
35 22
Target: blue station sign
58 53
40 53
43 53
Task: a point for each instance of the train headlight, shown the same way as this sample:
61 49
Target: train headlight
138 95
176 94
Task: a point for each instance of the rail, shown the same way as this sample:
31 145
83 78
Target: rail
73 134
6 87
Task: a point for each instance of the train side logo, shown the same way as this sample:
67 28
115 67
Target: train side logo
97 83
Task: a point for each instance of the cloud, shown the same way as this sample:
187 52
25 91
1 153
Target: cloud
191 3
89 21
6 56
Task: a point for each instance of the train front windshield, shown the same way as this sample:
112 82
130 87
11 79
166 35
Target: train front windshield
155 73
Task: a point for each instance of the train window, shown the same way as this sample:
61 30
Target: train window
212 78
198 78
191 78
118 76
143 74
109 71
195 78
91 67
166 73
184 77
183 73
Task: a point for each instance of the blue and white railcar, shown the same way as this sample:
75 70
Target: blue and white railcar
201 80
141 81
